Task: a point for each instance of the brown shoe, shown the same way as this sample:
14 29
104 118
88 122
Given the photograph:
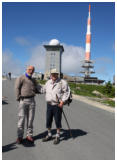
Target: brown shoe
19 140
30 139
56 141
47 138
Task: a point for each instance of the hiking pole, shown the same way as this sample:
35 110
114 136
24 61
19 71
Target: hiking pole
67 123
65 117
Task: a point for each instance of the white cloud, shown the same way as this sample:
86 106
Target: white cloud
71 58
22 41
9 64
37 58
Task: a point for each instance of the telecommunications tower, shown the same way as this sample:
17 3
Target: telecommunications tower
88 63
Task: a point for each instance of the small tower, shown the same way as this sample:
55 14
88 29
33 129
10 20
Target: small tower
87 63
53 57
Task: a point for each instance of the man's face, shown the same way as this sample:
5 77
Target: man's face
54 76
30 70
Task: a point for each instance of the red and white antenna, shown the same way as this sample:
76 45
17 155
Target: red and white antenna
87 65
88 37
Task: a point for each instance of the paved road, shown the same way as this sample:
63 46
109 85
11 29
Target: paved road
93 132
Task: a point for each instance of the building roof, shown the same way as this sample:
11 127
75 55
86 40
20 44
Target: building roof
54 48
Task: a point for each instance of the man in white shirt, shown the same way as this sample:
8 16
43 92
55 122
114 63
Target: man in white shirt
57 92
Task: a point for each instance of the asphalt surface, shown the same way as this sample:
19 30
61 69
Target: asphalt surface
93 132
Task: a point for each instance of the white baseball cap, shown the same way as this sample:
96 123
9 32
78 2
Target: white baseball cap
54 71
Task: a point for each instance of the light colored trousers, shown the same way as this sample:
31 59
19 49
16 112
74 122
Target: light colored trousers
26 109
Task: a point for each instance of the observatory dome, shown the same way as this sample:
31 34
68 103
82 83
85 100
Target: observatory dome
54 42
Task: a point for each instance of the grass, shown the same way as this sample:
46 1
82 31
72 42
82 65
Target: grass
41 81
109 103
87 90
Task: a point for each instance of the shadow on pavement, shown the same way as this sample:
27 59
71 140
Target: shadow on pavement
9 147
26 143
4 102
65 134
40 136
75 133
13 145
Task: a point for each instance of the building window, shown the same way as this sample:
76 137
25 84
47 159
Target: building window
52 61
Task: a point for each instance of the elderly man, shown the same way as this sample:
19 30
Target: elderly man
57 92
26 89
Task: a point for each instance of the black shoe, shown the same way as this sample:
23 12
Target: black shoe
47 138
56 141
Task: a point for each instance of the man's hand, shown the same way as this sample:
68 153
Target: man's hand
61 104
18 98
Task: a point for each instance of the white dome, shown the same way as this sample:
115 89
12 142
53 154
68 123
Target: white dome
54 42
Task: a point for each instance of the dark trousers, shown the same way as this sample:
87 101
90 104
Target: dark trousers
56 112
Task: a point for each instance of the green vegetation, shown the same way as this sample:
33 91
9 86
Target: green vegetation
87 90
108 102
104 92
109 90
41 81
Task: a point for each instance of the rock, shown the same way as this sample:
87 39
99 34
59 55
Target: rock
97 93
112 99
78 88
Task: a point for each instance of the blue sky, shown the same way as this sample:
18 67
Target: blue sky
27 26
